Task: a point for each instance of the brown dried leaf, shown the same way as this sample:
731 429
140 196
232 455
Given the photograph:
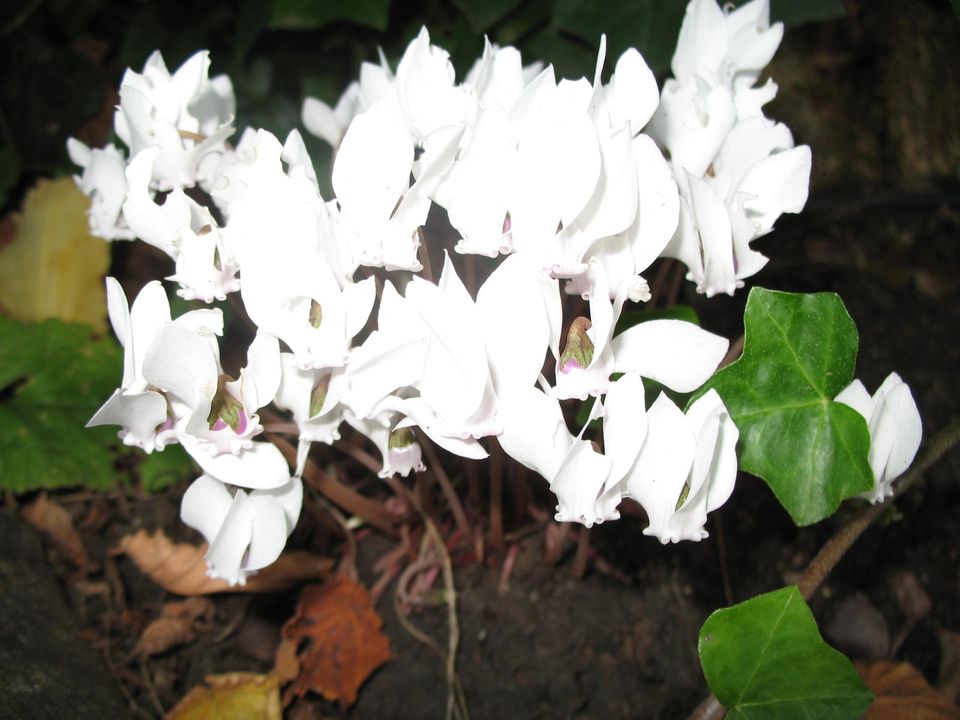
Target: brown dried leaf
336 637
180 568
179 623
55 522
237 696
903 694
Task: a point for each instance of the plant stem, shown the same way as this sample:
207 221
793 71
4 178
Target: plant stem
836 547
338 493
448 492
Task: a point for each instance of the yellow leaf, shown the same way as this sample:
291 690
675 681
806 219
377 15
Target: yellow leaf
54 268
237 696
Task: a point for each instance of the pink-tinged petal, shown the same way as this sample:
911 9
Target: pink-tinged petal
372 167
675 353
180 362
534 432
778 184
624 425
139 414
898 402
226 552
205 505
633 95
716 239
260 467
657 478
578 483
269 534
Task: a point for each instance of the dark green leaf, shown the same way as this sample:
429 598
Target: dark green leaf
310 14
53 377
162 469
799 353
484 14
765 659
651 26
797 12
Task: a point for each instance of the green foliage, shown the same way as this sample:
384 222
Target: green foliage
799 353
484 14
765 659
310 14
53 377
650 26
159 470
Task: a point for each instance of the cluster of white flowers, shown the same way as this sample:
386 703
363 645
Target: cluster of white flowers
571 181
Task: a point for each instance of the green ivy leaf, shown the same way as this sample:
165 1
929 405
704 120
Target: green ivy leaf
651 26
160 470
310 15
799 353
764 658
53 377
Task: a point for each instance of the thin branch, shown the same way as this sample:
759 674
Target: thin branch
448 492
353 502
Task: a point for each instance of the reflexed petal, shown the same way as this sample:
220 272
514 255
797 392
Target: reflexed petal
225 555
856 396
632 93
269 533
624 425
261 467
534 432
675 353
180 362
657 478
139 414
205 505
899 403
778 184
578 483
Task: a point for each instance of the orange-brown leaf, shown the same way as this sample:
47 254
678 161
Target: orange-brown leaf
903 694
55 522
237 696
342 644
179 623
181 568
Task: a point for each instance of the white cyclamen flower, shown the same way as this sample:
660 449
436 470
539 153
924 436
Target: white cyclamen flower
895 430
245 531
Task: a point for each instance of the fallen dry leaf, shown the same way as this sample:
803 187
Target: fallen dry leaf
333 642
180 568
55 522
237 696
179 623
53 267
903 694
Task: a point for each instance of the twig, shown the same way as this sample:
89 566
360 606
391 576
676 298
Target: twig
582 556
835 548
447 487
496 497
338 493
358 454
